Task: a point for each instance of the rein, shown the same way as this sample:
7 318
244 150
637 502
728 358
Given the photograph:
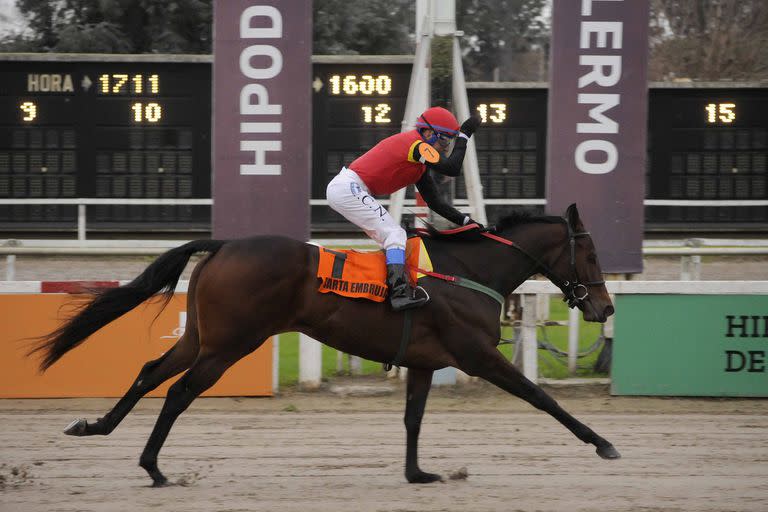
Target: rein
465 283
574 292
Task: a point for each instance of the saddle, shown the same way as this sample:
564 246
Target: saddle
363 274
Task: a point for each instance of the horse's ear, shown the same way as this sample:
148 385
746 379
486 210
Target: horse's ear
572 214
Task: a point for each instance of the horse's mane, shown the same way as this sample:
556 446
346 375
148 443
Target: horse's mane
515 218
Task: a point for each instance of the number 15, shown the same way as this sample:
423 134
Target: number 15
726 111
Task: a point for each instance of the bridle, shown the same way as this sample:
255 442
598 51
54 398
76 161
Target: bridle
574 291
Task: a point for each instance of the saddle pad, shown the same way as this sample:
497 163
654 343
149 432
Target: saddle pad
363 275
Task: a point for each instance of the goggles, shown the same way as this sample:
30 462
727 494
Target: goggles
443 137
436 135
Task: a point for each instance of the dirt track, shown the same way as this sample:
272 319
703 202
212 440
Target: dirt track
322 452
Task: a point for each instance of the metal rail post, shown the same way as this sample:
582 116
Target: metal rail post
310 362
573 339
530 343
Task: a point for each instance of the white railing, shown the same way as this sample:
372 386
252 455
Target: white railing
82 203
461 204
689 251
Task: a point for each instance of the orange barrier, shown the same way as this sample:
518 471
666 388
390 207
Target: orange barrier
108 362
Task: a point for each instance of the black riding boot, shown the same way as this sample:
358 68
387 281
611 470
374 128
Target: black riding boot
401 295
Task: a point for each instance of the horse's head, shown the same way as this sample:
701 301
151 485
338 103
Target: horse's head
576 271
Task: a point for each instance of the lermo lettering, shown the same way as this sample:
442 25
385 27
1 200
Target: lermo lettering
599 156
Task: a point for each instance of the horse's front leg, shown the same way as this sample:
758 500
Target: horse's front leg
493 367
419 382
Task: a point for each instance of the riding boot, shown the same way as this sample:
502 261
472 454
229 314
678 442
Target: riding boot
401 295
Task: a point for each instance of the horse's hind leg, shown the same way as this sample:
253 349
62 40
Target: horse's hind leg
203 374
495 369
419 382
154 373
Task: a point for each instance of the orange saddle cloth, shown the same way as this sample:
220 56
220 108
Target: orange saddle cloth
363 275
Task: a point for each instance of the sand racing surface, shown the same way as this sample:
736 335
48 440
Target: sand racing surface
328 452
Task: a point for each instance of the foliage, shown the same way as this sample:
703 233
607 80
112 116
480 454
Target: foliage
504 39
497 33
114 26
364 27
709 39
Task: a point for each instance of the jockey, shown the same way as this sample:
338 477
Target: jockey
392 164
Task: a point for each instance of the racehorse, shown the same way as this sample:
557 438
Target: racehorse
246 290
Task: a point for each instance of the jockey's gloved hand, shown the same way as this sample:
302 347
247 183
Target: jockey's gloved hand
468 220
469 126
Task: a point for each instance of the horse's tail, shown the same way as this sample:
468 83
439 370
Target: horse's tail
162 275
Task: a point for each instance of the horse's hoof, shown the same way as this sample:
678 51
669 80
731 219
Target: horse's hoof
160 481
607 451
77 427
422 477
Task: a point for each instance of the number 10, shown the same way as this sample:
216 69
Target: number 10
151 112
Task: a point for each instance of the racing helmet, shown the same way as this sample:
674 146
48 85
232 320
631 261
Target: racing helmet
440 121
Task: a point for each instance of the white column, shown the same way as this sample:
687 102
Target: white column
542 307
444 376
275 364
81 222
696 267
310 362
471 166
10 267
355 365
530 344
573 339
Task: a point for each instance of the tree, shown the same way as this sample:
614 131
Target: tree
364 27
501 31
115 26
709 39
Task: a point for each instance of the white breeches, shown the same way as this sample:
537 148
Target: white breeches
348 195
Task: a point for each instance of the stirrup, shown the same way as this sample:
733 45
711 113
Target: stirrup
411 301
426 294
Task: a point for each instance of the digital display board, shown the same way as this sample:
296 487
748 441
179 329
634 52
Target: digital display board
511 142
704 143
707 143
357 102
98 128
140 127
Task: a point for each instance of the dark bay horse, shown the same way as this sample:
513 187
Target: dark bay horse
247 290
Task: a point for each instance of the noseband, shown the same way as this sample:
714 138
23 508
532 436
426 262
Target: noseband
574 291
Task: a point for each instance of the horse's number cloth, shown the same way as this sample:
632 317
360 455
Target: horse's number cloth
363 275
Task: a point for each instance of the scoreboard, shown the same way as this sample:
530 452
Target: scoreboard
511 142
139 126
356 103
94 126
707 142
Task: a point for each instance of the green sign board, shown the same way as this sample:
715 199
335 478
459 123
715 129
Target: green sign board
690 345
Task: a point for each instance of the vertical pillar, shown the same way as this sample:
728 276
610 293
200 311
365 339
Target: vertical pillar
530 343
573 339
276 364
310 362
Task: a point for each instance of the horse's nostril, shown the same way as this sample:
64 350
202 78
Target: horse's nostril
609 311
